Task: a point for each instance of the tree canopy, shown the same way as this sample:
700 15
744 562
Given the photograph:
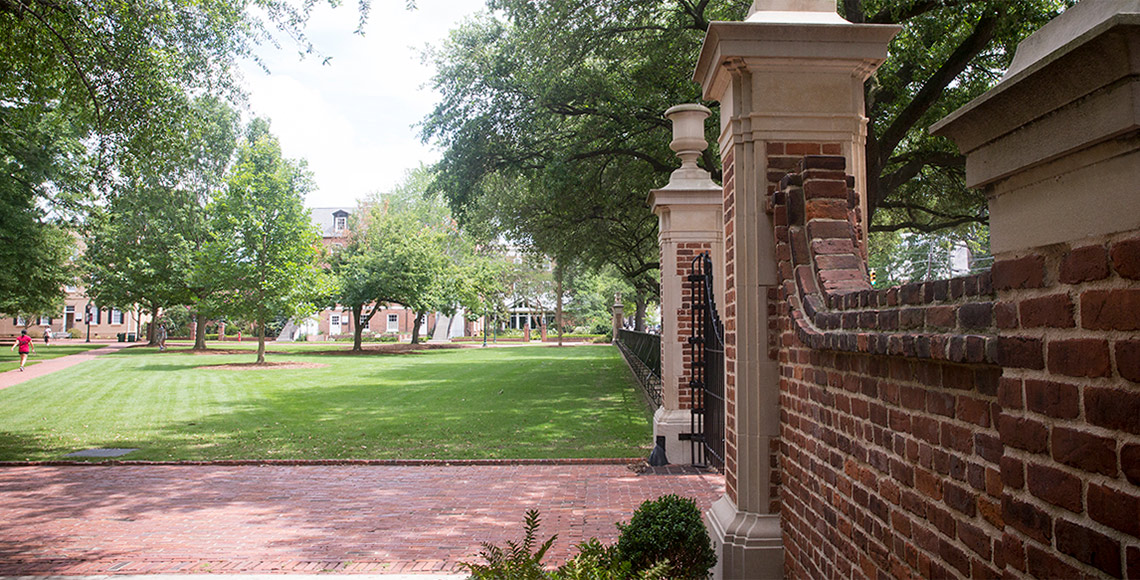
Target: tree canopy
91 93
144 241
552 129
264 246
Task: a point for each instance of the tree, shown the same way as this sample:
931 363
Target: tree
90 88
552 130
143 244
948 53
404 248
263 250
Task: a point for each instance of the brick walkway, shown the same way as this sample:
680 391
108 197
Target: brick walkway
31 371
123 519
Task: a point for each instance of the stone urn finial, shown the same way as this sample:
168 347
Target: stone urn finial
688 132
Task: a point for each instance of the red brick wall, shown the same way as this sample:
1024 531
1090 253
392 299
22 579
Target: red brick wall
686 252
974 427
728 317
1070 407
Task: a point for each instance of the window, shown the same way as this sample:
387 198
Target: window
340 223
334 319
116 316
393 323
19 321
45 321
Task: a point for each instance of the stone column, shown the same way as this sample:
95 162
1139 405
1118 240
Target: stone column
689 218
790 83
619 316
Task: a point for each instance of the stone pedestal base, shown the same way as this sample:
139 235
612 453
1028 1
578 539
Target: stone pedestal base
671 423
748 546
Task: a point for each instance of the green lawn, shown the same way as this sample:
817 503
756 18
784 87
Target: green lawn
522 402
10 359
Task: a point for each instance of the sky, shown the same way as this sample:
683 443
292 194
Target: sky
352 119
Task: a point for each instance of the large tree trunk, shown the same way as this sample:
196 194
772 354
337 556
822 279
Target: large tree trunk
261 342
639 317
357 328
150 336
199 332
416 327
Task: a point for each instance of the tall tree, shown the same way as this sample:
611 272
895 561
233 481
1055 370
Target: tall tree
551 123
404 248
89 88
142 244
263 253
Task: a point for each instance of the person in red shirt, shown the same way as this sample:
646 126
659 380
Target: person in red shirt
26 346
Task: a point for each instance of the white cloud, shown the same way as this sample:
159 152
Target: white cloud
352 118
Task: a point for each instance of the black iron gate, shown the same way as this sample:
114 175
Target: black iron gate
706 385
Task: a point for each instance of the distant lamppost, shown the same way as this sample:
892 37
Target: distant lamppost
88 317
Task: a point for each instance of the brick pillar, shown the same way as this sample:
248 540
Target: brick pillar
689 223
790 82
619 316
1060 164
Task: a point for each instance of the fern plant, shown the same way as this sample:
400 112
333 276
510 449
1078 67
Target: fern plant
519 561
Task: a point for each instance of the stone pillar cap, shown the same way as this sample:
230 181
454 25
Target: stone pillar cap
1083 50
795 12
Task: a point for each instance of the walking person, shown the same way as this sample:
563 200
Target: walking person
26 347
47 335
160 335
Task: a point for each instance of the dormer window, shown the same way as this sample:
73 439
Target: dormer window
340 221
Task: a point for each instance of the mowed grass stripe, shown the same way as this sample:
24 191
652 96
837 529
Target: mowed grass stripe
506 403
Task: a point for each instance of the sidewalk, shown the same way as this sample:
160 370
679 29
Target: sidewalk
31 371
122 519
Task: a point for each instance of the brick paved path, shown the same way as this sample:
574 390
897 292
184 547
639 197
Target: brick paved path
123 519
15 376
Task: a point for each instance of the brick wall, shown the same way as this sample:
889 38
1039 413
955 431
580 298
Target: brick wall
686 252
975 427
1070 407
728 317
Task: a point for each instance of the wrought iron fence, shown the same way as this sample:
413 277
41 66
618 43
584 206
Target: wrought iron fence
706 349
642 351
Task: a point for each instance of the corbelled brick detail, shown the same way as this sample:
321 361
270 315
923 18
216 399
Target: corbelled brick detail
984 426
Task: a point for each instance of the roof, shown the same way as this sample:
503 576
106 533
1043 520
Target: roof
324 219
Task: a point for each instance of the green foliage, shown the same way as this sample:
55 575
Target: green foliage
597 561
551 123
901 257
263 253
668 528
946 54
518 561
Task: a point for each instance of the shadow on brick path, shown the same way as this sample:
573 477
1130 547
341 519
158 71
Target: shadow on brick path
374 519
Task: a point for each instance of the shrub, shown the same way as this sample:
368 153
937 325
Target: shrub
596 561
668 528
74 332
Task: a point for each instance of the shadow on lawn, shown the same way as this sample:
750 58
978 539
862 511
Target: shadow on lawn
16 446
